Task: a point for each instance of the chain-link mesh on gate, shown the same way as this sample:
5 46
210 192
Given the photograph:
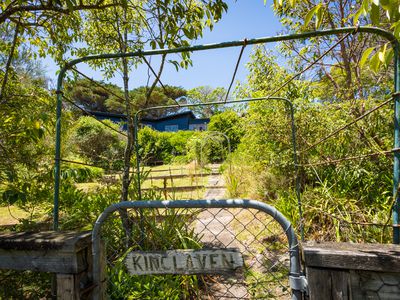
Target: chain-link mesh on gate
264 238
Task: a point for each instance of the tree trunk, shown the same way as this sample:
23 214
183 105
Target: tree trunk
126 178
8 64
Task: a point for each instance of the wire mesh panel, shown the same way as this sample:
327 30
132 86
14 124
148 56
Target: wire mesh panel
205 236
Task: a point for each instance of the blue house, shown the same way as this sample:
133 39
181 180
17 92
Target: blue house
179 121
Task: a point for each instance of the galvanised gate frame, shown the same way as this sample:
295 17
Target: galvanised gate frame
297 281
246 100
362 29
293 137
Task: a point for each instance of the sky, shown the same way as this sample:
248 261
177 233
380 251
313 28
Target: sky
244 19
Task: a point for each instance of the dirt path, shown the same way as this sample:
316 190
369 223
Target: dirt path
213 225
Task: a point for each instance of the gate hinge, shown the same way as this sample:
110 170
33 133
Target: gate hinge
298 283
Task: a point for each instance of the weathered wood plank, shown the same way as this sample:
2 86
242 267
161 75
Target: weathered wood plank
45 240
56 252
210 261
176 176
103 273
41 261
318 287
67 287
374 257
328 284
176 188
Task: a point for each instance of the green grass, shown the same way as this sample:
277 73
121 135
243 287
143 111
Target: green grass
10 215
162 171
167 170
88 187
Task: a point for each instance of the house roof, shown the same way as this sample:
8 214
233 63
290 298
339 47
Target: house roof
146 119
107 114
172 116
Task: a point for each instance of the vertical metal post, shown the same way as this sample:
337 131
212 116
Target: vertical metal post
296 168
57 161
57 155
396 164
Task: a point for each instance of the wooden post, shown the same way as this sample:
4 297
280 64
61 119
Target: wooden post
165 188
352 271
67 287
68 254
103 272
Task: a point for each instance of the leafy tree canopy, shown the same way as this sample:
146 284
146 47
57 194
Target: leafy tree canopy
110 99
204 94
344 71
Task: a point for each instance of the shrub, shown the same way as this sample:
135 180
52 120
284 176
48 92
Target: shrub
101 145
336 196
163 146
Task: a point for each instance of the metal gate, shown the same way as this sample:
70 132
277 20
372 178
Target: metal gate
260 238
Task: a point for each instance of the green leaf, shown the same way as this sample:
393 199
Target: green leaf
382 54
365 56
70 4
375 14
357 17
310 14
10 196
397 31
385 4
319 18
375 62
389 57
365 6
175 63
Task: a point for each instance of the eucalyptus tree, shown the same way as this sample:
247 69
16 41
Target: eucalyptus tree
204 94
157 23
48 27
342 73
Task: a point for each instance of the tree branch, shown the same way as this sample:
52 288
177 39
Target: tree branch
8 64
10 11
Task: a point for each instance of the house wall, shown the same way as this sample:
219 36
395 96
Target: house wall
181 123
198 124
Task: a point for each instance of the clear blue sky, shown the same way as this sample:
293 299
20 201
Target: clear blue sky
244 19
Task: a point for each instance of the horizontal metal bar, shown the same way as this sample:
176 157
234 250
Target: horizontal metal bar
363 29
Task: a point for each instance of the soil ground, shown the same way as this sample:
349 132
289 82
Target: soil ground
213 225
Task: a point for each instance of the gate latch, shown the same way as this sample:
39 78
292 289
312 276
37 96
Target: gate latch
298 283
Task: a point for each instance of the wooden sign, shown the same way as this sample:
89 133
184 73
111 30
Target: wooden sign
210 261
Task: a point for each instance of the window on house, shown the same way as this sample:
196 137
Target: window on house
171 128
199 127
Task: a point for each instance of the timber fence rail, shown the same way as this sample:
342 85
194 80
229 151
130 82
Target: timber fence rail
46 265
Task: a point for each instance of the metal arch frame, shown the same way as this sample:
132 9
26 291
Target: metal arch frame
295 276
214 133
211 135
245 100
362 29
